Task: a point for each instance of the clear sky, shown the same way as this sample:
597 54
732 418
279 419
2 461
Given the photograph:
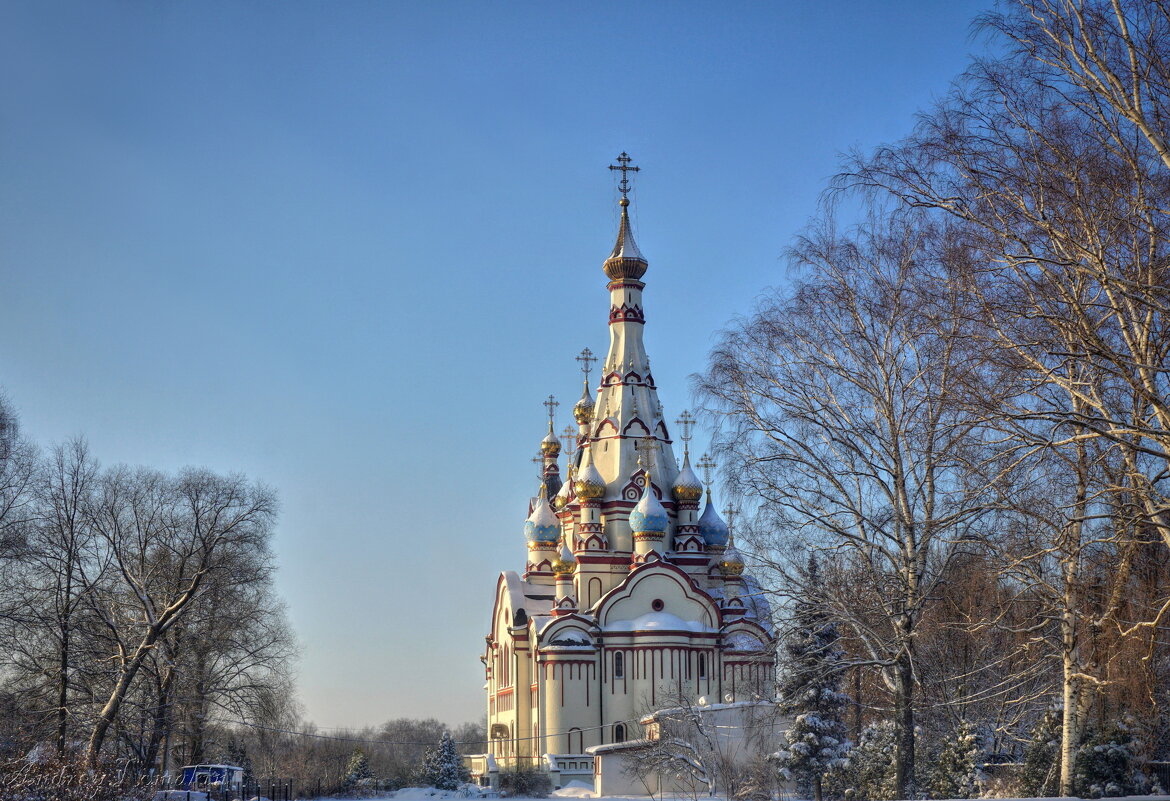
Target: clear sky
347 248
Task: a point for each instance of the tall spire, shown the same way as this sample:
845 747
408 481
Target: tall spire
626 409
625 261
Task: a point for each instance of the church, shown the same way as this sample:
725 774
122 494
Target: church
630 599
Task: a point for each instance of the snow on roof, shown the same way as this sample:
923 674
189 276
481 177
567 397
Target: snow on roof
658 621
611 747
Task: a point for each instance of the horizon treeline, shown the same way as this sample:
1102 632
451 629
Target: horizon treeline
140 630
960 405
136 608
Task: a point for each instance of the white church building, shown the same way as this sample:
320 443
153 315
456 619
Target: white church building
630 599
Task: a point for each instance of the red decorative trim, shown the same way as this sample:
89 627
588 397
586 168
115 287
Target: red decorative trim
626 313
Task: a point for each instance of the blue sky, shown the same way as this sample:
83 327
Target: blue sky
347 248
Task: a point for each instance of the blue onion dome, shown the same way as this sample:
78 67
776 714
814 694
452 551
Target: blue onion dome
711 526
542 525
564 563
648 515
550 445
583 409
589 484
686 484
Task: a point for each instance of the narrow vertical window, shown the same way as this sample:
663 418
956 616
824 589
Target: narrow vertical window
702 666
619 732
619 666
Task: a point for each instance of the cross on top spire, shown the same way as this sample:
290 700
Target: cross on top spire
623 164
646 448
686 422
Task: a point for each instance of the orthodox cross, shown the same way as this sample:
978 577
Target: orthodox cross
646 448
707 464
551 404
586 358
539 459
569 437
730 512
623 164
685 422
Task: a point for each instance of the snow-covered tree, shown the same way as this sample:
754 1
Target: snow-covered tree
816 742
1105 765
869 772
443 767
955 772
357 769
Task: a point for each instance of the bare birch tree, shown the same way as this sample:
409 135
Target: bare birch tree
841 413
1054 159
168 539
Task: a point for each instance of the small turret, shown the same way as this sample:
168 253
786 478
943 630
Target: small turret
589 483
583 409
686 485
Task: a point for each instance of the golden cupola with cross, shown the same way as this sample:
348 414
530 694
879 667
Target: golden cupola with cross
629 595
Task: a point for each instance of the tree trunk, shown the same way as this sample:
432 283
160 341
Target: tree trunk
904 719
63 692
1070 729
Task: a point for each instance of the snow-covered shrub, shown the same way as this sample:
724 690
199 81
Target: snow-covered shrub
443 767
954 772
1040 775
1105 765
525 782
868 772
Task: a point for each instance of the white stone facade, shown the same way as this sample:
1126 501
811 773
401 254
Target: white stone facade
610 621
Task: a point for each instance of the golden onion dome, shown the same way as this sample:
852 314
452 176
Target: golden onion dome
550 446
626 262
686 484
564 563
583 409
589 483
561 499
731 563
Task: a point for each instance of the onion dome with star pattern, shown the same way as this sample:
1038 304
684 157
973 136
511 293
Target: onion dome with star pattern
542 526
648 516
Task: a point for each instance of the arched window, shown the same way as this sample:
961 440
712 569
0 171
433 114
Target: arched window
619 666
576 738
619 732
702 666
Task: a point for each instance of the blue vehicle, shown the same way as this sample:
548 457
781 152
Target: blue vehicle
224 781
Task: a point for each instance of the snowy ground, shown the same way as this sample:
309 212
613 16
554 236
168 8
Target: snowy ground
581 790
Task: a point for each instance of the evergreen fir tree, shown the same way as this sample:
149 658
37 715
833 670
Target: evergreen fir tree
1041 772
357 769
237 754
816 742
443 767
955 772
